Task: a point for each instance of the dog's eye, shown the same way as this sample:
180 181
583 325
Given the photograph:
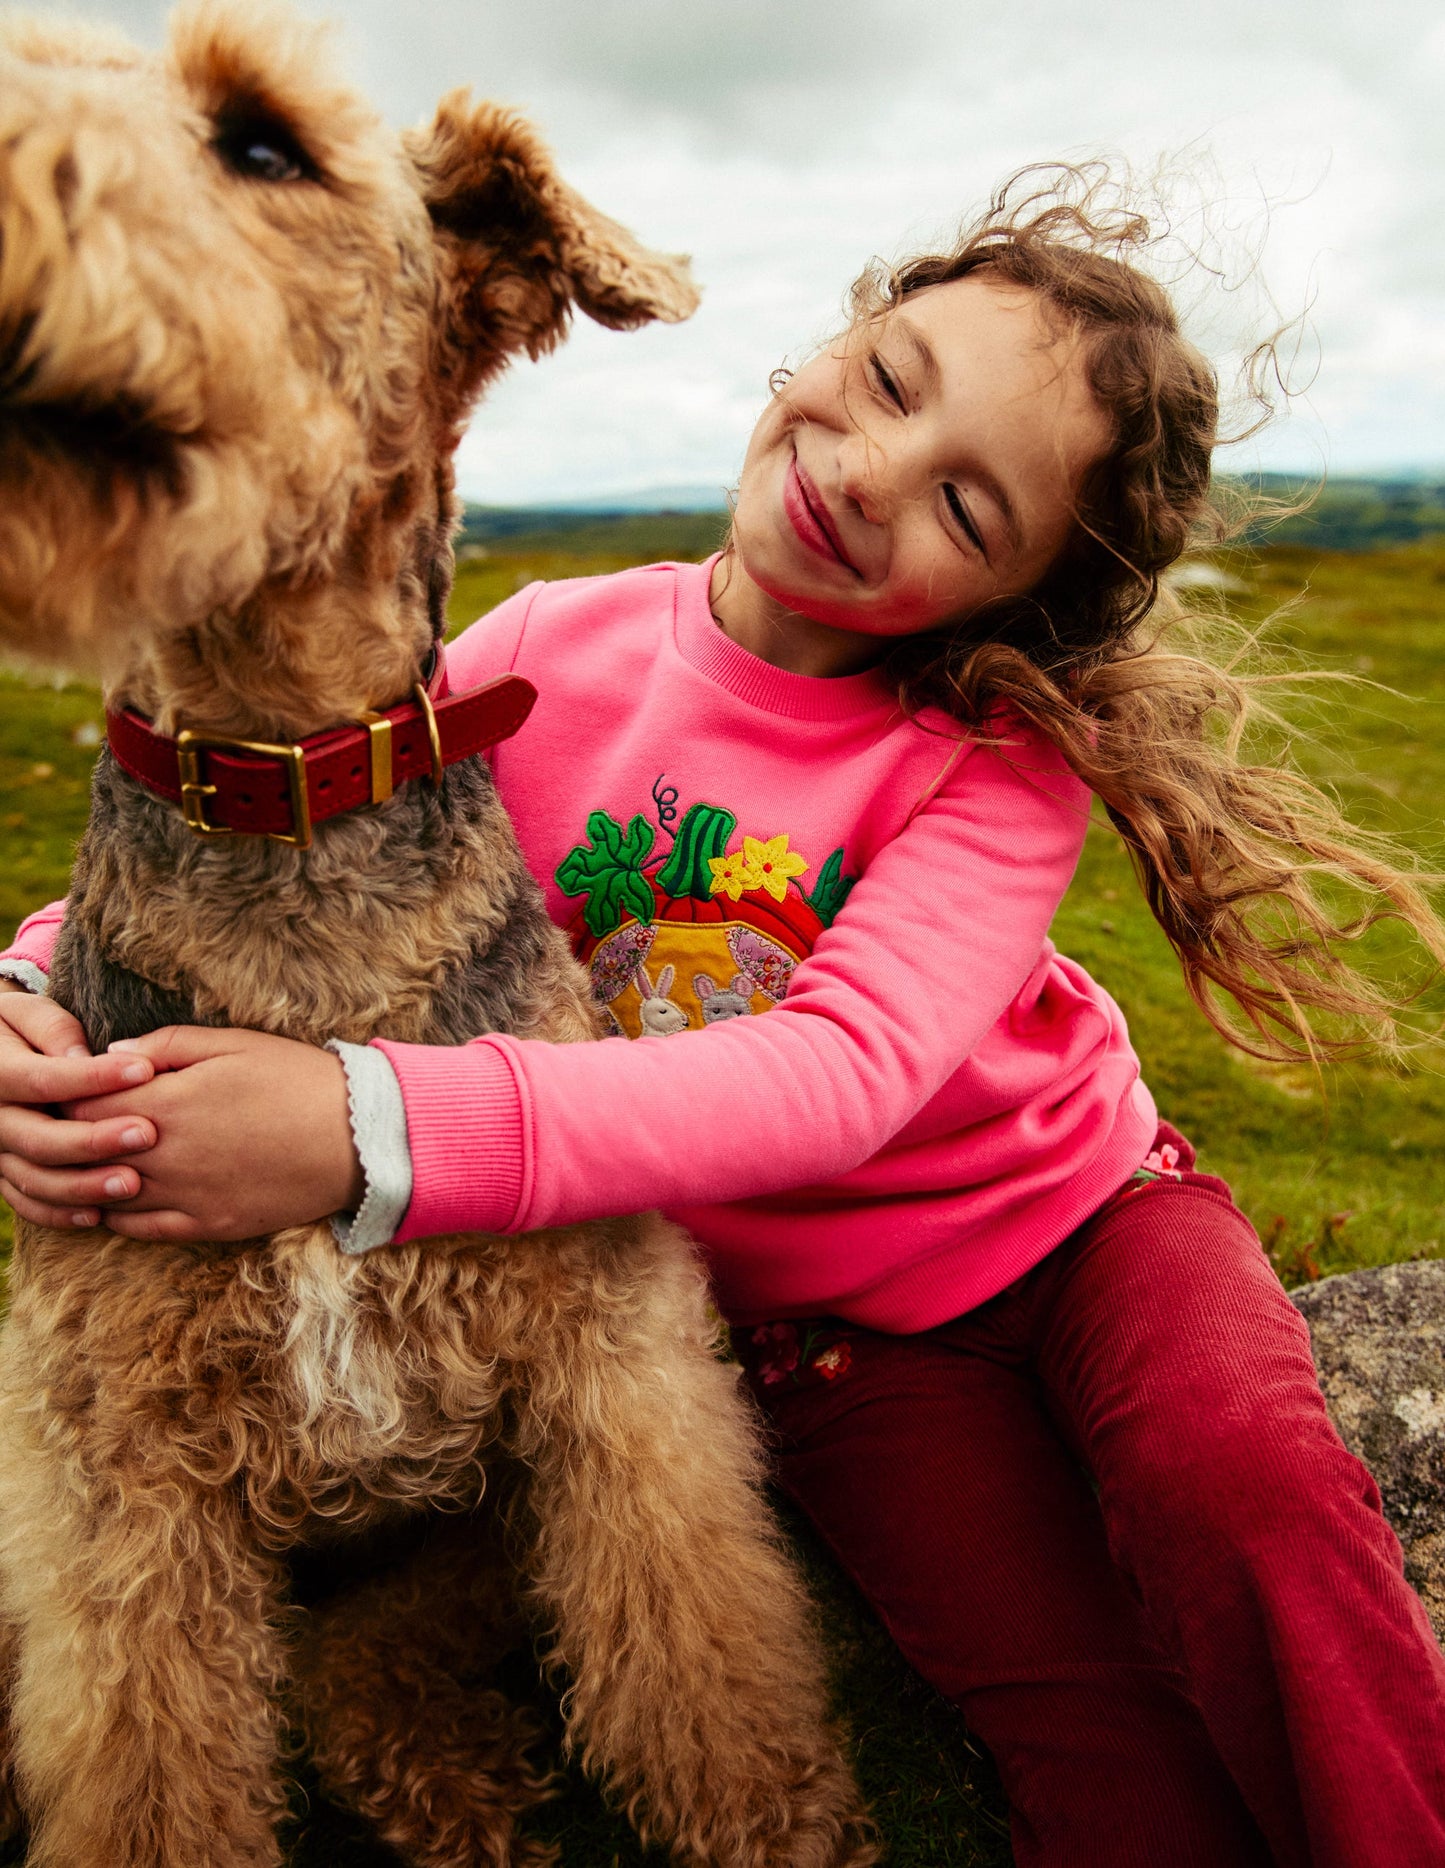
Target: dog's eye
270 164
263 149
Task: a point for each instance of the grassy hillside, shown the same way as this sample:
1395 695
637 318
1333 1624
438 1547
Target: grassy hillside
1341 1170
1354 515
1336 1172
632 537
1336 514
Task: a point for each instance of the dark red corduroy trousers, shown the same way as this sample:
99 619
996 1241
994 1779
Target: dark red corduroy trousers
1107 1515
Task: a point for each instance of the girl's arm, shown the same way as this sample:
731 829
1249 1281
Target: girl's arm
933 947
27 959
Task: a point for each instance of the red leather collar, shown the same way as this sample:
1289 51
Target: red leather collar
229 787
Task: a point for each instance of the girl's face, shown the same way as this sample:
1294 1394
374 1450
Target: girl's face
922 465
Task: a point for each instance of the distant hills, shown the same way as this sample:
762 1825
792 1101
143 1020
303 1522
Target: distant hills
1351 514
1346 514
592 529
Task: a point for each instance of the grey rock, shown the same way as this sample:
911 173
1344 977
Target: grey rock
1379 1345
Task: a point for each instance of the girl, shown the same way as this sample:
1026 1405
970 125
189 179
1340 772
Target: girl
1028 1370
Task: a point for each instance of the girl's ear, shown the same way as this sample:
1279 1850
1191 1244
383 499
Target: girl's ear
517 248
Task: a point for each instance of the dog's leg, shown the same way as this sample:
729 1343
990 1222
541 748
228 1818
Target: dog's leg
149 1663
399 1725
11 1820
696 1687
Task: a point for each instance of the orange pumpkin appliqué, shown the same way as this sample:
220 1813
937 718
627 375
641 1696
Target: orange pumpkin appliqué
696 934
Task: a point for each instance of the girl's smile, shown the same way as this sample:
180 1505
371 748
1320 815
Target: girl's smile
808 513
925 464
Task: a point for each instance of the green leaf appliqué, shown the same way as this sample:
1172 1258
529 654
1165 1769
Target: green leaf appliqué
608 872
832 889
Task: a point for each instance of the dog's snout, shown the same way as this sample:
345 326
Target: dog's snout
40 183
65 178
17 367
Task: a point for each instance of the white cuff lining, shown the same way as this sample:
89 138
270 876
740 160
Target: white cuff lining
378 1128
27 974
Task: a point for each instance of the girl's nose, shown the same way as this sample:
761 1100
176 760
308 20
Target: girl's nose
862 477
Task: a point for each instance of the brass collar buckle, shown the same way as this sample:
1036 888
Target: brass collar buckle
195 791
378 728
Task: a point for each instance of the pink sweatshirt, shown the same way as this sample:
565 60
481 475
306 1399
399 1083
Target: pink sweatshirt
863 1078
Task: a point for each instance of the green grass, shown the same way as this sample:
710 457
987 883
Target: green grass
1336 1172
1343 1170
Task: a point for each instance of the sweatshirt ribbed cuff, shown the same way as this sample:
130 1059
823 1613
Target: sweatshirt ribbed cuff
466 1123
27 974
35 938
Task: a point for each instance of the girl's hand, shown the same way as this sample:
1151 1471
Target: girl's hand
253 1135
48 1166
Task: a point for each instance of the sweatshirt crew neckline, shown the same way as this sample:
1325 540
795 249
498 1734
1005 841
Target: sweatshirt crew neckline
707 647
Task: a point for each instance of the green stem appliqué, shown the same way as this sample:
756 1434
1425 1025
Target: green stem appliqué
702 834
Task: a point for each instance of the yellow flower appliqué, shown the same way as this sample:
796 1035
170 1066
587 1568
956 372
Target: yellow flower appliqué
756 866
770 864
730 875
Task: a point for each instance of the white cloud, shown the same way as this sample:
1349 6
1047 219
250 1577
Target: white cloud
782 145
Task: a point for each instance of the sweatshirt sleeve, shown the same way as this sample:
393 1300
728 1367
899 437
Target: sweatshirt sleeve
934 944
30 952
488 647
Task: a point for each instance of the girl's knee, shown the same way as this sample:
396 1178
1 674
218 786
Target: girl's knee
1242 1488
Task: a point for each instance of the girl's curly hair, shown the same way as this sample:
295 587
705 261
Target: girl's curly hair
1253 873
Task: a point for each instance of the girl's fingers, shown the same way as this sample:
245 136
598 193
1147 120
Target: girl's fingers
44 1141
40 1215
28 1076
166 1226
44 1025
177 1047
69 1189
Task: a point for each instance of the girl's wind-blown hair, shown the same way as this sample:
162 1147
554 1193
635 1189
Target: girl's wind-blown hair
1254 875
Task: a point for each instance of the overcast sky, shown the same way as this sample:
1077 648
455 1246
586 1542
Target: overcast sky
783 142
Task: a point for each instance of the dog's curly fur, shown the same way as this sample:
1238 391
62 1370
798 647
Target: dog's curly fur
230 388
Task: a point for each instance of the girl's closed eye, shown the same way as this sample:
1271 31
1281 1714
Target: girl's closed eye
963 519
887 383
891 391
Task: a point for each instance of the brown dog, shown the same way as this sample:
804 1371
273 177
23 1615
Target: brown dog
241 326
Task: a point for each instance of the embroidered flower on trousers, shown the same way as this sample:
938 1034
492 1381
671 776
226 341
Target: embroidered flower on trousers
833 1362
779 1341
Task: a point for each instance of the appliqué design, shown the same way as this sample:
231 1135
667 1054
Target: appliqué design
661 932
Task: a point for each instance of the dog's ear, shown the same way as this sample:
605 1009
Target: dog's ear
517 248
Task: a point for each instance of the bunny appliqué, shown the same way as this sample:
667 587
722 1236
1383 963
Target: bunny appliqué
660 930
661 1015
722 1002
